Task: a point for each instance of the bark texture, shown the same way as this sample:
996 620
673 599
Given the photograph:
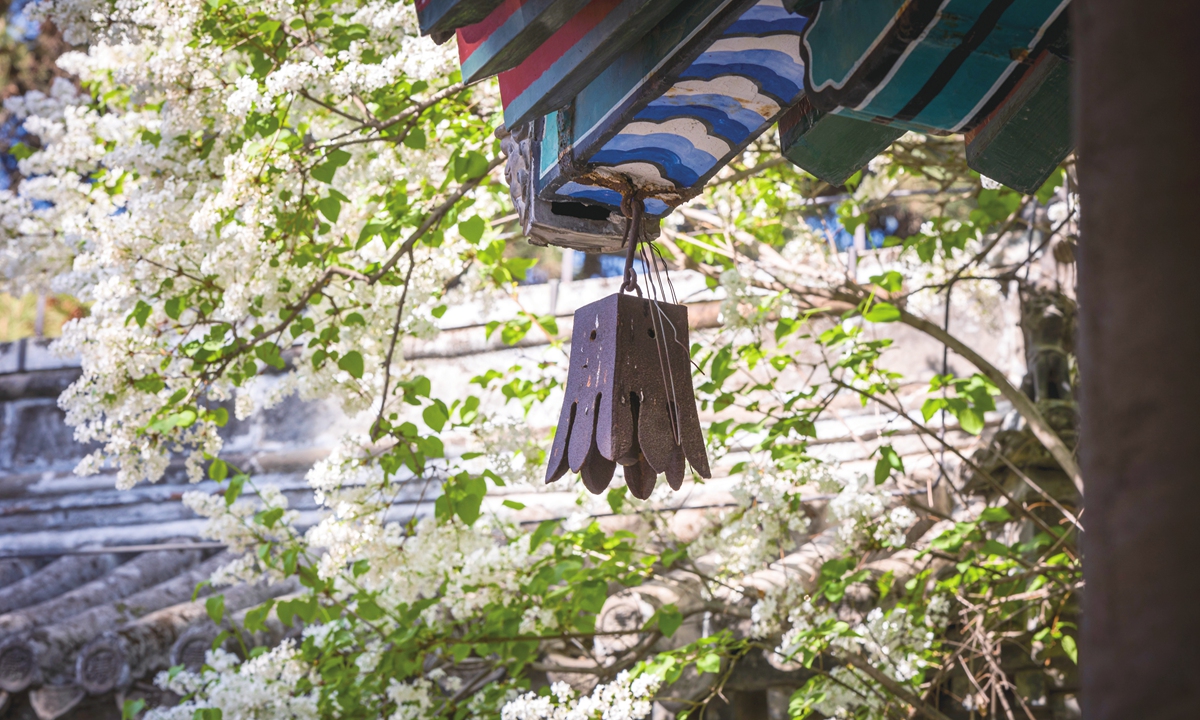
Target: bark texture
1139 100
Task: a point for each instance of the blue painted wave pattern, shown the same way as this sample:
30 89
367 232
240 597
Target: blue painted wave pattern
730 95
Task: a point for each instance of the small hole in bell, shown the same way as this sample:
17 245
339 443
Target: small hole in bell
650 332
593 336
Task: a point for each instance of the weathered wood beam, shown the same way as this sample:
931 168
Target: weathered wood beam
1139 338
145 570
56 578
509 34
1023 142
440 18
575 55
831 147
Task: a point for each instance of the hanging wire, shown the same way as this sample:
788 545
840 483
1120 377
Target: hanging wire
633 207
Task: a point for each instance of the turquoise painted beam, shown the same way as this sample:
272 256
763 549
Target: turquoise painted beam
575 55
440 18
936 66
1025 140
831 147
510 34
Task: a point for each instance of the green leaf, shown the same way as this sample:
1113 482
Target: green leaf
435 416
468 508
710 663
543 533
20 150
131 708
268 518
591 595
931 407
669 619
514 505
270 354
616 498
218 470
470 166
472 228
970 420
415 139
256 619
352 362
184 418
235 488
330 207
326 170
1069 647
891 281
369 610
215 607
995 514
882 313
884 585
150 384
1050 187
174 307
141 313
889 460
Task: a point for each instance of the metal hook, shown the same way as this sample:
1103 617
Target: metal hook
633 232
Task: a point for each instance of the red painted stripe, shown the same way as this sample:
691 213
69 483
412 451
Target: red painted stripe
516 81
472 36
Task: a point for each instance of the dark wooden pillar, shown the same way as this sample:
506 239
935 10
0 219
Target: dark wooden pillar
1139 144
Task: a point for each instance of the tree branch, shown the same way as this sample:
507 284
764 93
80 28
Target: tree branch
862 665
1041 429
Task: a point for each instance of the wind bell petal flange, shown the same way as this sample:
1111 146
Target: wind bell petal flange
629 398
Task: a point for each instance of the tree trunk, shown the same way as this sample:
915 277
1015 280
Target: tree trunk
146 569
145 645
47 650
1139 104
56 578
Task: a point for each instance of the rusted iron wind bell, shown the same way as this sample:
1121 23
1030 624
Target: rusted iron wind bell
629 398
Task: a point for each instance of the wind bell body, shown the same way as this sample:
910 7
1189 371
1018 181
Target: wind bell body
629 398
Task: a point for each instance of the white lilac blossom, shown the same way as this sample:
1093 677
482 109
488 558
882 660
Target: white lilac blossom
625 698
262 687
167 198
